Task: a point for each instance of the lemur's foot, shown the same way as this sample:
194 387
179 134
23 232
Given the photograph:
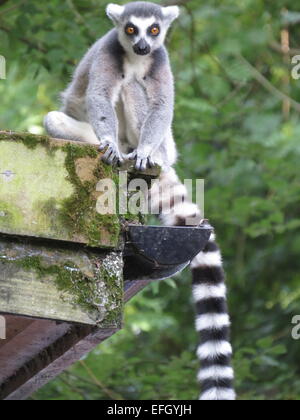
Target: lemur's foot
112 156
142 163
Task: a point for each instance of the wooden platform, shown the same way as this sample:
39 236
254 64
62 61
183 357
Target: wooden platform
61 262
36 351
48 189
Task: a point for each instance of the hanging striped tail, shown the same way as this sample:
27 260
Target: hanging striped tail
209 291
213 324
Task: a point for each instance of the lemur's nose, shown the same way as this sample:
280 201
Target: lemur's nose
142 48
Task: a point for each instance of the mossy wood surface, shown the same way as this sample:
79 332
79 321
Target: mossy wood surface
75 285
48 190
59 258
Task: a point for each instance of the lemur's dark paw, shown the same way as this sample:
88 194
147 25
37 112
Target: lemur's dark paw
145 163
131 156
112 155
151 162
142 164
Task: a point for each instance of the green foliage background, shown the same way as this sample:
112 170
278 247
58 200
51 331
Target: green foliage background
233 128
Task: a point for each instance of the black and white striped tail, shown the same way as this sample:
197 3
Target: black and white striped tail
209 291
213 324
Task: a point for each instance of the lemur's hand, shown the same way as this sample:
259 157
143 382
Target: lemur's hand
112 155
142 162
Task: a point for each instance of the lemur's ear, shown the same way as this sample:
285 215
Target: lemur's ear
114 12
171 13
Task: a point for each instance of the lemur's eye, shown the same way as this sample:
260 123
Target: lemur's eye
130 30
155 30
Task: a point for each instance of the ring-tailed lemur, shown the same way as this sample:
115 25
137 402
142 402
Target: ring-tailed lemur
122 97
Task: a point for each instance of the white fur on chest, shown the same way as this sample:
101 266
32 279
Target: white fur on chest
136 69
133 99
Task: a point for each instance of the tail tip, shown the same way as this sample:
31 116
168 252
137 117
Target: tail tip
218 394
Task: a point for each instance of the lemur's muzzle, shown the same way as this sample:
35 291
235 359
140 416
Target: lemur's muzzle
142 48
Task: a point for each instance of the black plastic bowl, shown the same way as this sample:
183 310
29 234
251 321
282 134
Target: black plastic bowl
159 252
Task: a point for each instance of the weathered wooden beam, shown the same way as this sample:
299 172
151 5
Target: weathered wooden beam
57 282
14 325
70 267
48 189
59 259
25 339
37 351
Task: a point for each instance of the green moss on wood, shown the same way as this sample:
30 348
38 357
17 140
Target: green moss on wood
72 218
79 211
68 279
67 212
86 291
12 214
29 140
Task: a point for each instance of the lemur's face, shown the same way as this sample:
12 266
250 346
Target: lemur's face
142 35
142 27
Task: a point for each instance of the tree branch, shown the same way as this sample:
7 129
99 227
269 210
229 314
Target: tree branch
24 40
268 85
111 394
79 17
10 9
277 47
39 47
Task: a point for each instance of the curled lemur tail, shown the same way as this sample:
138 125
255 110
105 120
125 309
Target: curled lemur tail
62 126
209 291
